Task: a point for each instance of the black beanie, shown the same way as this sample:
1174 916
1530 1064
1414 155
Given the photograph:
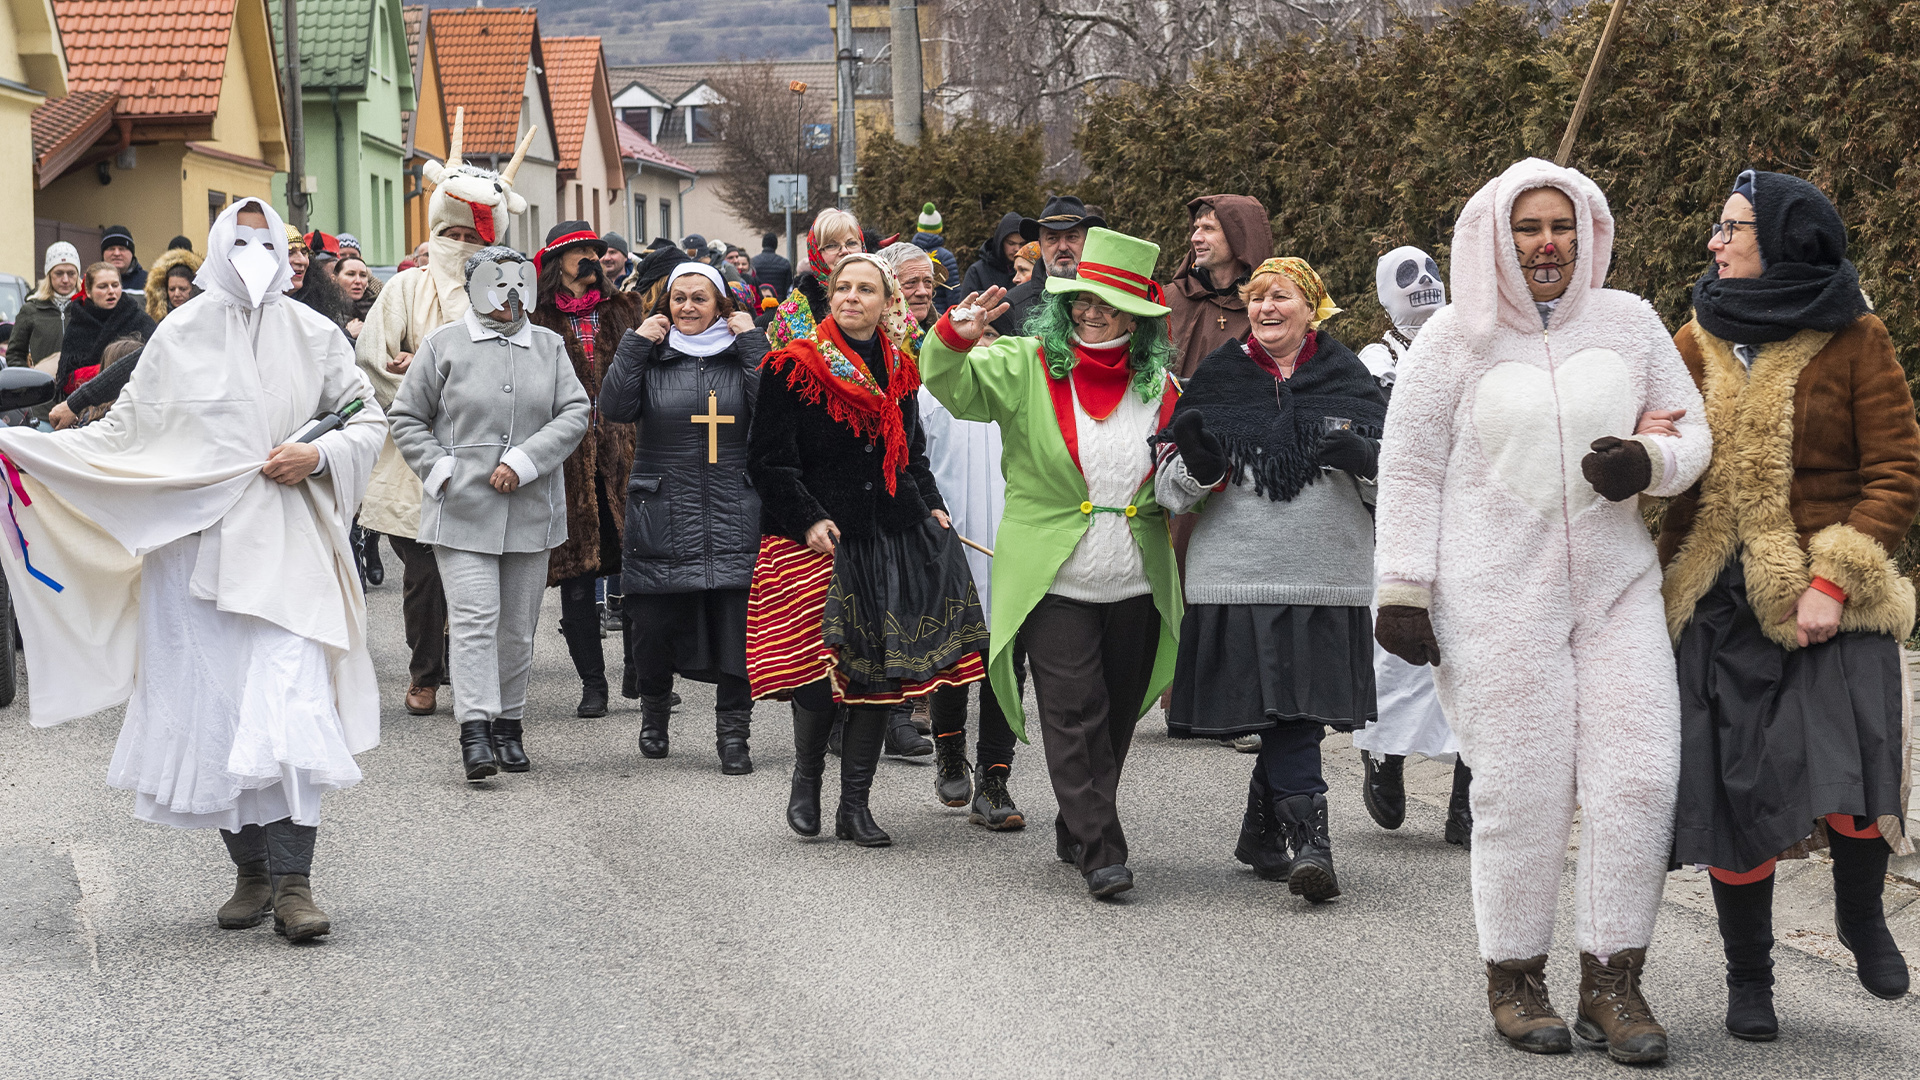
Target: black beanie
116 236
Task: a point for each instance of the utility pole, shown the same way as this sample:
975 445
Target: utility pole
847 66
296 121
799 90
905 17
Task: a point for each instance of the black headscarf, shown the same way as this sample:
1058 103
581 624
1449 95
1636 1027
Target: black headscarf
1806 282
654 267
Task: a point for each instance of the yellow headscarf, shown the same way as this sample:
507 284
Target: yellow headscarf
1301 273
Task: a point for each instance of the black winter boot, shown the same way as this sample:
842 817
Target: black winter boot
476 750
290 860
654 714
730 731
952 777
1304 820
904 739
1746 934
1859 916
810 762
1385 790
252 899
993 804
866 732
507 749
583 644
837 730
1459 807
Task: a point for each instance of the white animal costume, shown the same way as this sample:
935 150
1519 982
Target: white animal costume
1555 669
1407 280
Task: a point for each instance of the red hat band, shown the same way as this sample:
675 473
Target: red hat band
566 241
1125 280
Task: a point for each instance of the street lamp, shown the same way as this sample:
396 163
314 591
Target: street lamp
799 90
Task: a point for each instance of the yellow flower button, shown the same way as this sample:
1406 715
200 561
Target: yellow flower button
1132 510
1086 508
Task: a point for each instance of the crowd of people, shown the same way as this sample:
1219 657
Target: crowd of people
866 484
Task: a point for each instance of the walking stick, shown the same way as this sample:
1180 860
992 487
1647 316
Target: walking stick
1586 88
987 551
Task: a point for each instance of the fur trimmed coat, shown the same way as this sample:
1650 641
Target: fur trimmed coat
606 452
1830 495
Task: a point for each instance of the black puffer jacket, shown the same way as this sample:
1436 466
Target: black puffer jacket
807 466
691 525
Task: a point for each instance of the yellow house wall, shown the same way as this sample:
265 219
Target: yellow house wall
146 199
876 113
201 175
16 184
430 137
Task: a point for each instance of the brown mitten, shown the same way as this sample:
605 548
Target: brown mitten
1407 632
1617 469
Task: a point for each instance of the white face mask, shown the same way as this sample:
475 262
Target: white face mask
256 257
501 286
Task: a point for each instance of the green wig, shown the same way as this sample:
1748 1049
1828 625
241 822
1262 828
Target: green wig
1150 354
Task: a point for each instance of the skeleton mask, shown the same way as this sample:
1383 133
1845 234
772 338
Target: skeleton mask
1410 288
500 280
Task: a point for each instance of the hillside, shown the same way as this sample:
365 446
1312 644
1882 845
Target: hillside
664 31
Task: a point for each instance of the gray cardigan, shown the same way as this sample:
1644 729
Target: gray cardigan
472 400
1248 549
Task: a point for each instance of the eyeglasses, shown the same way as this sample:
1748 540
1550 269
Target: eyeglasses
1725 230
1086 305
848 246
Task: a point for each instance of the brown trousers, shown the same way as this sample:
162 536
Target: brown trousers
1091 665
423 606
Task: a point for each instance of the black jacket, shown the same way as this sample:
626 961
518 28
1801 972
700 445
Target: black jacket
772 268
691 525
1020 303
90 330
808 466
992 267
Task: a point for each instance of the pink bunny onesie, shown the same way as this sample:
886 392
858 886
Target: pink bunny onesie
1556 669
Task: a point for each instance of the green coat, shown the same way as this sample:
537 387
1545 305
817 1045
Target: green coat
1007 383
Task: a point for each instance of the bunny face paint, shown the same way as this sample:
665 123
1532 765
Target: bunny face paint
1546 241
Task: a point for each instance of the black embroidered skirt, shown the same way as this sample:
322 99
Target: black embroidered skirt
1244 668
1772 740
902 615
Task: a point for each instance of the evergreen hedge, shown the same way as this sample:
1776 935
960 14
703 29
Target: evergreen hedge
974 171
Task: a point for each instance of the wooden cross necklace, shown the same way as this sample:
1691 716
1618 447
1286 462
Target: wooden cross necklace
713 420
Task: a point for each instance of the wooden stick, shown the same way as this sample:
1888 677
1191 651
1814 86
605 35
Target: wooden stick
1586 88
987 551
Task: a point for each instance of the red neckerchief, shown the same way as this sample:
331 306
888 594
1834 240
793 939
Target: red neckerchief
1259 355
1100 377
852 395
577 305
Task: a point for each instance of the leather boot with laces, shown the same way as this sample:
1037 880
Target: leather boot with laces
1613 1012
1302 821
993 803
952 776
1522 1012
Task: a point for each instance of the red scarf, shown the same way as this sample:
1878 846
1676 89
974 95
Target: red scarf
1258 353
576 305
1100 377
823 365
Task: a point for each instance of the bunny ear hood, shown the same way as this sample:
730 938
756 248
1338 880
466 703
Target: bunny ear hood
1486 286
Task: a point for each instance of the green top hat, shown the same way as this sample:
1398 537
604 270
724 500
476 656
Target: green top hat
1118 269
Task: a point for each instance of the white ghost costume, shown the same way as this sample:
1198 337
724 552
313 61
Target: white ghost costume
1555 667
1408 283
222 607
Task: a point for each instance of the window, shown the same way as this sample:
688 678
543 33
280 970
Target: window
596 209
873 76
216 202
666 219
387 245
579 203
700 124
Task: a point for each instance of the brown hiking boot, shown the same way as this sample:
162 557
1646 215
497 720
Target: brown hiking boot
1613 1012
294 915
252 898
1517 994
423 700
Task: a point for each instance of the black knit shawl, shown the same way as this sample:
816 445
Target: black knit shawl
1271 429
1807 283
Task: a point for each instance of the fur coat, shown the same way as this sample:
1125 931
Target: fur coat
156 288
606 452
1831 494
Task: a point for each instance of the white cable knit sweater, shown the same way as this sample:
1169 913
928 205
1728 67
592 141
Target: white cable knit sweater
1114 456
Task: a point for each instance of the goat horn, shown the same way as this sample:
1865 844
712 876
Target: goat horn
519 155
453 151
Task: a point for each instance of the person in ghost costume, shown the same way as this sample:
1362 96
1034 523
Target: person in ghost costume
1408 282
469 206
188 555
1511 556
494 506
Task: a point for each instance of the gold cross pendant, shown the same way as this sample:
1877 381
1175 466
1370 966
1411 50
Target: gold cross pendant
713 420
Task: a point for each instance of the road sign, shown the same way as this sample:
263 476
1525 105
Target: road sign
787 192
816 136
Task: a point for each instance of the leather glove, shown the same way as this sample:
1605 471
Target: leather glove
1407 632
1206 459
1617 469
1350 452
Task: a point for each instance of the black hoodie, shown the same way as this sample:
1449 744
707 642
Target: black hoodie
992 267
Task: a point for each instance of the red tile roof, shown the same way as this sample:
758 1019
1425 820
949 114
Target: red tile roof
644 150
163 57
573 63
483 55
64 128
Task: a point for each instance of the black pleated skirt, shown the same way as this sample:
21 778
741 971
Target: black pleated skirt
705 632
900 610
1244 668
1772 740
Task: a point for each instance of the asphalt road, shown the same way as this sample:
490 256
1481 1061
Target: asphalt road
610 916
